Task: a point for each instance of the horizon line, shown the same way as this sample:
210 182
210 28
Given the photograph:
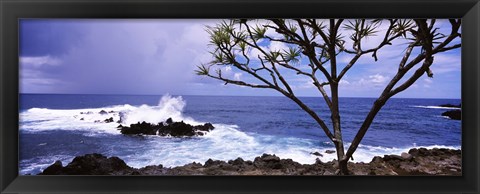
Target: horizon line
227 95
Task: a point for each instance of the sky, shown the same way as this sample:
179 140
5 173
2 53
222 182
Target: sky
159 56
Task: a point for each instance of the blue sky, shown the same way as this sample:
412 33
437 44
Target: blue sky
160 56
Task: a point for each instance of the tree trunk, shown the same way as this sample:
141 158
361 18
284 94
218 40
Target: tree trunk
366 124
337 132
342 167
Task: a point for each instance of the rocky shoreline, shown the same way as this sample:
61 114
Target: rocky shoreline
419 161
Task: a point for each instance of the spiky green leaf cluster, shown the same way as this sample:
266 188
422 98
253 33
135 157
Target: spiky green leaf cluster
274 55
202 70
220 58
293 28
292 55
242 45
219 36
221 33
362 28
402 26
259 32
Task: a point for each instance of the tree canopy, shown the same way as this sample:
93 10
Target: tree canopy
313 50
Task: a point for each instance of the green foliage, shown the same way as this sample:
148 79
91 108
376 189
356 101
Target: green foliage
293 28
362 28
242 45
220 35
292 55
274 55
326 42
259 32
202 70
219 57
402 26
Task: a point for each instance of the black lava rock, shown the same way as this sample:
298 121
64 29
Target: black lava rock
109 120
453 114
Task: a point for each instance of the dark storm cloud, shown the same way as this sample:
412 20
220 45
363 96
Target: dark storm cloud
49 37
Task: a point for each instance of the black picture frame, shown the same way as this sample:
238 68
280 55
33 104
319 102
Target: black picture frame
12 10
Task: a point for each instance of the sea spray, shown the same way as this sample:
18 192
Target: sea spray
168 107
92 119
241 130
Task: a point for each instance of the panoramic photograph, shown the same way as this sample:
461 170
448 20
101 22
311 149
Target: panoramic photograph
181 97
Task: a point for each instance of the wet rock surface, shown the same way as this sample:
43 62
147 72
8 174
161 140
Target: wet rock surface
169 128
416 162
109 120
453 114
91 164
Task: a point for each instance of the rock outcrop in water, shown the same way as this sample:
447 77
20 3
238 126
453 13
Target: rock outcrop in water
416 162
453 114
169 128
109 120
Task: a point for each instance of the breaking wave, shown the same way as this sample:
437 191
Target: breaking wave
226 142
437 107
93 119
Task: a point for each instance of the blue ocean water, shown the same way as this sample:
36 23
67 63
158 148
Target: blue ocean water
60 127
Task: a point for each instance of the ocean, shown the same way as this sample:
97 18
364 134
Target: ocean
56 127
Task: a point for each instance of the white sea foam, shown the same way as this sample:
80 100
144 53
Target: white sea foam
226 142
32 166
90 119
365 153
437 107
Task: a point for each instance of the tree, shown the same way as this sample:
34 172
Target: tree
321 42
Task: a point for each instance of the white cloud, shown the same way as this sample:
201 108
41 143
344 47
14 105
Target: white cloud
40 61
377 79
446 63
304 85
32 77
229 73
159 55
253 53
128 56
40 81
344 82
428 80
237 76
35 81
227 69
277 46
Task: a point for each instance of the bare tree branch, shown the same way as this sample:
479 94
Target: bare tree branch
348 66
425 37
240 83
418 73
280 77
359 52
439 50
407 54
302 35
